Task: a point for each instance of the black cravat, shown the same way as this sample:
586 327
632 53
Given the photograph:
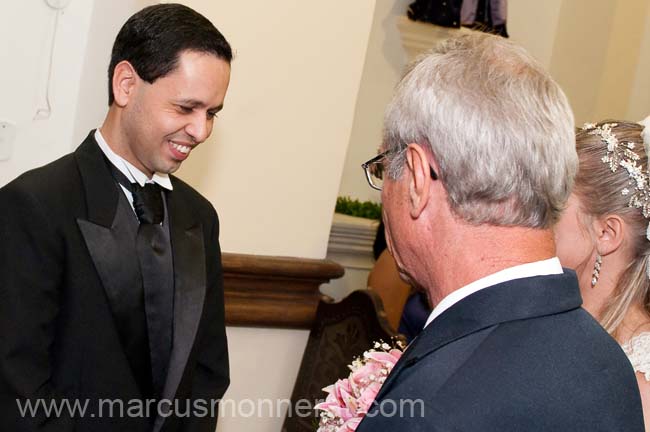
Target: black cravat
147 199
147 203
151 248
152 252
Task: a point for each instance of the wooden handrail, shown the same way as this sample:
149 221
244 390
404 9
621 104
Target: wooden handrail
267 291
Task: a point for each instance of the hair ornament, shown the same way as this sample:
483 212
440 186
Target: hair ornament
622 154
645 134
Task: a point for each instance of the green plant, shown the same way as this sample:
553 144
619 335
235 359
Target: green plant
354 207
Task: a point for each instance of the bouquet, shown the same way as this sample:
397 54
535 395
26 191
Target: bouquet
349 399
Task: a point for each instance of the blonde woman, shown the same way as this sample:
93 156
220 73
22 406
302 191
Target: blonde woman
604 234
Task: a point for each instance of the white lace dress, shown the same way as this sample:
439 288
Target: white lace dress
637 350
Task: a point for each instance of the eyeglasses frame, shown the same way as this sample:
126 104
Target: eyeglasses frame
380 156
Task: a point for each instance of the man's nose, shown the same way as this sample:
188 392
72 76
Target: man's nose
199 127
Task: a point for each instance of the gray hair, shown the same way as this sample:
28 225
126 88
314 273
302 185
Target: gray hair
499 127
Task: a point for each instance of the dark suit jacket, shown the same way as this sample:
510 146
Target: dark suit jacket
60 302
518 356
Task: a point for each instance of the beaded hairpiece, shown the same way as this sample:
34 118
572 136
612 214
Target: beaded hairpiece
621 154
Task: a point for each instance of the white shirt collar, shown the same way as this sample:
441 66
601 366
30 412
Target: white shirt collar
131 172
550 266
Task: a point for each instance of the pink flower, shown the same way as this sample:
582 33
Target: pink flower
349 399
386 358
366 373
367 397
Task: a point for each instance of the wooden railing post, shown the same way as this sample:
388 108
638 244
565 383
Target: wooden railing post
265 291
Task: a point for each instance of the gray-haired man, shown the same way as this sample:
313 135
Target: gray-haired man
478 161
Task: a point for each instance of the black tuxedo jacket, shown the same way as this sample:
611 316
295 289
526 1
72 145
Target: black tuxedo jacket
518 356
62 303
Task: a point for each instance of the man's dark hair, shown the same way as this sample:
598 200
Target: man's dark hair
153 39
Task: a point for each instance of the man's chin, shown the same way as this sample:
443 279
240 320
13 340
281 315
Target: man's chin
168 167
172 170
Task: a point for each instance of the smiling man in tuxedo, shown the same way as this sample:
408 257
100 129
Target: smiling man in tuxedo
111 292
477 162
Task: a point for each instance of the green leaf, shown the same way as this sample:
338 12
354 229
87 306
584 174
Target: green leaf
353 207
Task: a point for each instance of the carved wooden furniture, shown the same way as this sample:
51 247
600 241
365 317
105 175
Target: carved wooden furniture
269 291
340 332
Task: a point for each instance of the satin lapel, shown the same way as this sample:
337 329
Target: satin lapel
102 239
107 243
101 193
112 251
189 290
509 301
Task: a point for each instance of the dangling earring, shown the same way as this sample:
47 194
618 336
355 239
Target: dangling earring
596 274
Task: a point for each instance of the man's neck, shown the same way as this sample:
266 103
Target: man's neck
114 137
474 252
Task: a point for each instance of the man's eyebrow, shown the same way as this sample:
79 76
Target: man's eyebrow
193 103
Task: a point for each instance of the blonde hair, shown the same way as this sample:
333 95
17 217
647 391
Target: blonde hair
600 193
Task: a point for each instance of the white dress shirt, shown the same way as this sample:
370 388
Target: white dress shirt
133 174
550 266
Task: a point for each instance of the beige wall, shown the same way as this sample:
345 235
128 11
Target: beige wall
639 106
597 54
534 24
580 52
273 164
622 57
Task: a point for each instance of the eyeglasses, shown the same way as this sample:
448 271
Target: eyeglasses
374 169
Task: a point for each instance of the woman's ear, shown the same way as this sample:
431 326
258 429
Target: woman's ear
610 231
124 80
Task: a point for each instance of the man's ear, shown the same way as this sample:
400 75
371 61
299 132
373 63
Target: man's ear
419 179
610 232
125 79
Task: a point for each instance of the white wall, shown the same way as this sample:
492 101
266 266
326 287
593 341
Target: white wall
26 28
264 364
385 59
107 18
